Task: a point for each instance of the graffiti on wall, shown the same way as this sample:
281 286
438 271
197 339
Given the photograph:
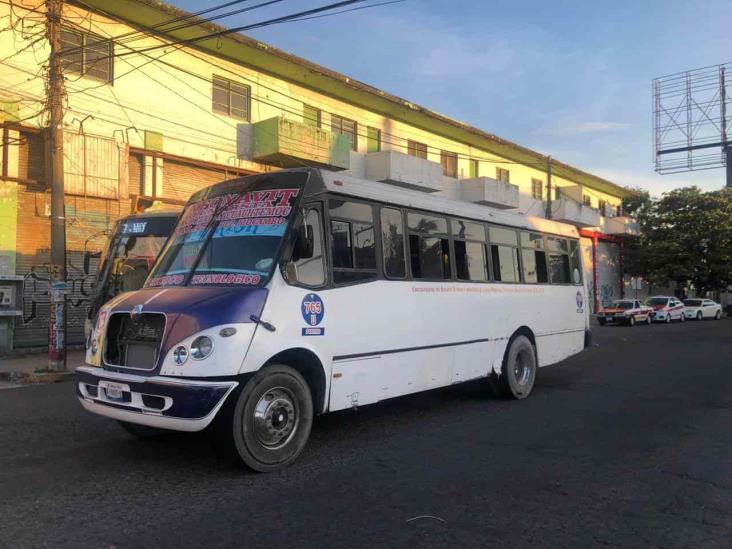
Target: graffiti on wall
79 281
607 294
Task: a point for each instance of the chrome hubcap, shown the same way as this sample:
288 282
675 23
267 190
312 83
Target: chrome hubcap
275 418
522 368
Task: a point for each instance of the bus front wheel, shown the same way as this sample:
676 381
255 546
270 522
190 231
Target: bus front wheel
272 418
519 369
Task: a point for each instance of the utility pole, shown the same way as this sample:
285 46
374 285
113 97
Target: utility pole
726 145
548 187
55 150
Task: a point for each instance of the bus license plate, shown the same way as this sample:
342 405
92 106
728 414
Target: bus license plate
114 391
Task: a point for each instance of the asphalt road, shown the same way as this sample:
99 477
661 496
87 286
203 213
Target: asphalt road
628 444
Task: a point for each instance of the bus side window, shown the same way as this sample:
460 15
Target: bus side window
310 271
469 241
352 241
533 258
574 261
392 242
504 254
429 246
558 260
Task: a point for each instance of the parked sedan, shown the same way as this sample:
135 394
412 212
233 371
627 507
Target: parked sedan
625 311
666 308
699 309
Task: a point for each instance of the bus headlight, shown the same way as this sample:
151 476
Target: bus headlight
201 347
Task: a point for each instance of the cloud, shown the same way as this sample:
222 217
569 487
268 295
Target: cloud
585 127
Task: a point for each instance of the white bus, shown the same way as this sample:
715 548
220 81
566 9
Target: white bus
285 295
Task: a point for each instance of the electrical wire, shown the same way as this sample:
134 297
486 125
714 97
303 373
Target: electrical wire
234 30
402 144
136 35
289 18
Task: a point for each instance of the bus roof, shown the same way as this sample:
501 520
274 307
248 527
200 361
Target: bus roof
336 182
151 214
321 181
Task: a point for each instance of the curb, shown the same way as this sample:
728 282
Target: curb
35 378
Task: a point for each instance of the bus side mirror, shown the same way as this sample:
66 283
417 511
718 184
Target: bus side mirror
305 243
88 256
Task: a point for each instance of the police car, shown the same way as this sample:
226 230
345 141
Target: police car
625 311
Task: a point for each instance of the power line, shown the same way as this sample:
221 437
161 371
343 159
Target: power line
538 165
281 107
348 10
268 22
136 35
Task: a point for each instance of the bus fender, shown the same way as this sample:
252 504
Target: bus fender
522 330
310 366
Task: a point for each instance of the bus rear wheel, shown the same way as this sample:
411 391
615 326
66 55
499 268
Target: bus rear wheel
519 370
272 418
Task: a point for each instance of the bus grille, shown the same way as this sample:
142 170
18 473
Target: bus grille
134 342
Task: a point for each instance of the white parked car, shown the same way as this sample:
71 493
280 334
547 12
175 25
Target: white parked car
666 308
699 309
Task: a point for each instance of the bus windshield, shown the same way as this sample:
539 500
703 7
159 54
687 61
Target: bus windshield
232 238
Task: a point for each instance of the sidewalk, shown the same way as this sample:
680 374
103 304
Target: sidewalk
32 368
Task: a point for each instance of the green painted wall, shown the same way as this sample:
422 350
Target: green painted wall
8 226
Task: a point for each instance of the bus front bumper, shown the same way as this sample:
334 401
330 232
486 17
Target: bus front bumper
163 402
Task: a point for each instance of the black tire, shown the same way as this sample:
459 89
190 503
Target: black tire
649 320
682 318
512 383
275 394
144 432
631 321
699 315
667 320
718 315
601 321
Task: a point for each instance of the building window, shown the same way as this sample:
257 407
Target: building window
474 168
87 54
415 148
449 163
502 174
344 126
311 116
602 207
373 139
92 166
231 98
587 200
537 189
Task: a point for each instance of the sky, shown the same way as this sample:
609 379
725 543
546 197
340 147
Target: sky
567 78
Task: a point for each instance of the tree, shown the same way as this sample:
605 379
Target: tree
686 237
